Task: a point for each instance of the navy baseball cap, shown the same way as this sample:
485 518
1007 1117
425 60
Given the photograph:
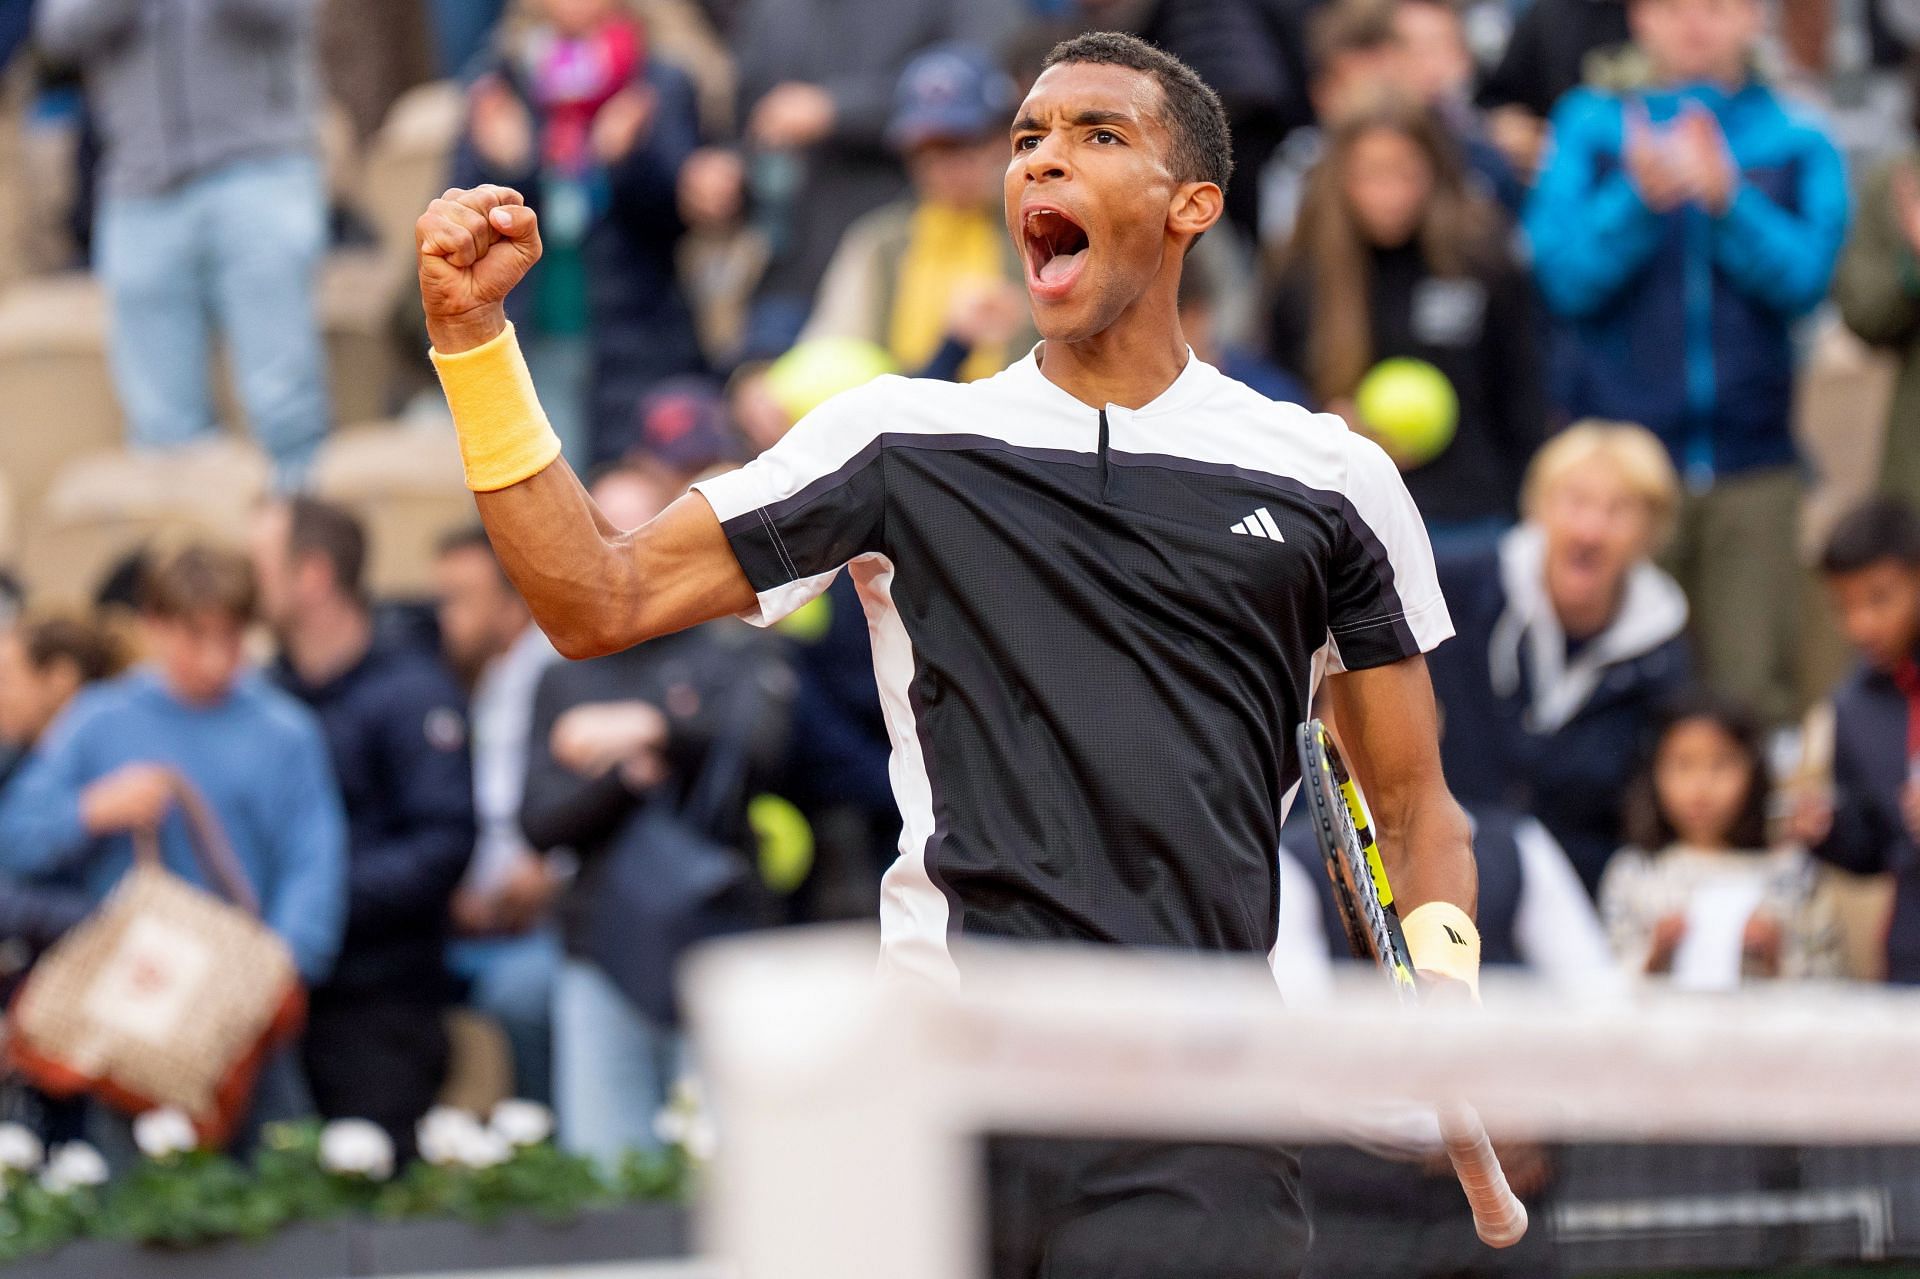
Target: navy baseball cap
950 91
683 425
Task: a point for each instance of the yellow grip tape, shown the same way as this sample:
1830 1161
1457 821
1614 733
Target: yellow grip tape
504 433
1441 939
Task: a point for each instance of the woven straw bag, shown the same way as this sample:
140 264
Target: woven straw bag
166 995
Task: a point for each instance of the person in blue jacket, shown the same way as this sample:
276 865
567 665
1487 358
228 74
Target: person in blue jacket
105 769
395 722
1681 227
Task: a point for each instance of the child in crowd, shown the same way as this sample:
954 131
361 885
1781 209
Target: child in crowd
1686 218
1699 895
576 114
1867 821
1396 254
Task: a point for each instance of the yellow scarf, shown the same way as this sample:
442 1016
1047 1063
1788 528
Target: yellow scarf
946 248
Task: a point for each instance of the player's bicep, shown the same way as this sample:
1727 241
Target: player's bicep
691 572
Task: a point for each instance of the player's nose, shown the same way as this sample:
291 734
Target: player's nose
1046 159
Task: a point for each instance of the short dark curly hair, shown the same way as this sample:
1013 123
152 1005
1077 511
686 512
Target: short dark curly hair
1190 109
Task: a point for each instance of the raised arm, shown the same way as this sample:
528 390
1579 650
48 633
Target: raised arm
592 588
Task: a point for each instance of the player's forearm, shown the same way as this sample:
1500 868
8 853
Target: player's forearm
1427 843
572 568
552 541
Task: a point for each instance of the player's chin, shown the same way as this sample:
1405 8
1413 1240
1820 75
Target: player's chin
1067 319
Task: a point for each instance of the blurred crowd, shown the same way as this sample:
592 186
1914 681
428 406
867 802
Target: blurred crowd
1568 260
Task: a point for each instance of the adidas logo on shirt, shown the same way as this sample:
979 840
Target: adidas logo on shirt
1259 524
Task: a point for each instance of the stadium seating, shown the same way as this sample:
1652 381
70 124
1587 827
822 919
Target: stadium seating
405 481
101 507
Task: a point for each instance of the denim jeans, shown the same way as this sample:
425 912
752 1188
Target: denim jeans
612 1068
511 980
239 248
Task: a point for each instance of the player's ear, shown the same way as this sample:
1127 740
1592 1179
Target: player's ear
1196 206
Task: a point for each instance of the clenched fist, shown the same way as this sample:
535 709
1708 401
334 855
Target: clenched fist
474 247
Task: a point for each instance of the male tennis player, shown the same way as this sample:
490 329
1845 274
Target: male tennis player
1102 588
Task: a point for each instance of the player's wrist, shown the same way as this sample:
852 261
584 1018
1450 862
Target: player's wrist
504 433
1442 940
455 334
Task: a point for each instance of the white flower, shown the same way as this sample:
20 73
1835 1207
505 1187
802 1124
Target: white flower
164 1132
20 1150
522 1123
444 1132
356 1147
73 1166
483 1148
683 1121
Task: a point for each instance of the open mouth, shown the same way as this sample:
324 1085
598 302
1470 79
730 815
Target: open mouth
1056 251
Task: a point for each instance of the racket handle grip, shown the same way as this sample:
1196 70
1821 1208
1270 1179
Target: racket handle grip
1499 1218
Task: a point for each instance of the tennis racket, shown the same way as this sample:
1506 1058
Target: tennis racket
1341 825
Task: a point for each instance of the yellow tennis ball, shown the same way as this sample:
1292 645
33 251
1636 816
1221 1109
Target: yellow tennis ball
817 370
1411 407
786 842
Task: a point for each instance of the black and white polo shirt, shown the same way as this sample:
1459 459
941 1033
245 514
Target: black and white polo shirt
1094 631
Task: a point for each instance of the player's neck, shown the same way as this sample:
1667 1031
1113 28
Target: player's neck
1130 363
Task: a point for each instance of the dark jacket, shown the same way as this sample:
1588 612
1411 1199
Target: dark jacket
1682 321
396 731
1479 330
694 678
1547 53
641 326
1869 836
1529 726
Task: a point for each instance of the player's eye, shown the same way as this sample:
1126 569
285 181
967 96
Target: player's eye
1105 136
1026 142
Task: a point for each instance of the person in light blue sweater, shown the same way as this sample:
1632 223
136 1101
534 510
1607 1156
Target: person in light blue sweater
104 769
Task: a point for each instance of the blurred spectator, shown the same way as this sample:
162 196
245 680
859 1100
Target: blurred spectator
1199 324
1698 895
577 114
1678 232
371 52
504 944
44 663
1568 640
1878 289
617 740
1870 822
1547 57
462 30
1438 70
934 278
16 23
106 769
212 206
1354 56
376 1042
1396 255
817 82
680 431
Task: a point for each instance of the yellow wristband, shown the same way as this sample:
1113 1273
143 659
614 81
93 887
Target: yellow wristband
1443 940
504 433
